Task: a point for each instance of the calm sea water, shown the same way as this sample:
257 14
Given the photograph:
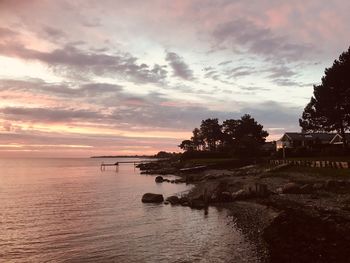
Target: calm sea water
67 210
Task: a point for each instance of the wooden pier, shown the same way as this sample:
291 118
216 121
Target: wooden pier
103 165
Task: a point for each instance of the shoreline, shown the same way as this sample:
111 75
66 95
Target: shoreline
283 210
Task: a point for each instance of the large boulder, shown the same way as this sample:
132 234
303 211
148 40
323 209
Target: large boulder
152 198
174 200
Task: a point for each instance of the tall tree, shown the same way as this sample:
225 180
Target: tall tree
244 136
249 127
197 139
229 129
211 132
329 107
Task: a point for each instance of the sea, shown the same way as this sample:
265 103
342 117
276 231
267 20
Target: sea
68 210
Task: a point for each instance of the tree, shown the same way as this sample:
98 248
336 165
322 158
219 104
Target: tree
187 145
211 132
243 137
229 129
249 127
329 107
197 139
249 136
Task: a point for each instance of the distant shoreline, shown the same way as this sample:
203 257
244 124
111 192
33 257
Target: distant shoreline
123 156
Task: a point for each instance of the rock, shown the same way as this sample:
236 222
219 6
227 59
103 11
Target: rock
198 204
174 200
306 189
331 184
279 190
152 198
166 180
342 183
240 195
317 186
183 200
185 204
261 190
214 197
291 188
166 202
159 179
225 197
178 181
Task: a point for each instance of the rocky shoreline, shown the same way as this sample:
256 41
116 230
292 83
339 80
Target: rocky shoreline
291 214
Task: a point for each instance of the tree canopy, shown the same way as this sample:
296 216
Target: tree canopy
243 136
329 107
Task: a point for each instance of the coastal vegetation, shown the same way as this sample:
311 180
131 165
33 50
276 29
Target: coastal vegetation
242 138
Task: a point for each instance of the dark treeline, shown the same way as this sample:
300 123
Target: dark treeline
242 137
329 107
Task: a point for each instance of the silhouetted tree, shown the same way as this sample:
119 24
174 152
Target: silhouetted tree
248 136
211 132
187 145
329 107
229 129
249 127
197 139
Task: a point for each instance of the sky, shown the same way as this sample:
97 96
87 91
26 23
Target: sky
88 77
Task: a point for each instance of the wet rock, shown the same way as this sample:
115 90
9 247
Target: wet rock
291 188
152 198
198 204
183 200
159 179
178 181
174 200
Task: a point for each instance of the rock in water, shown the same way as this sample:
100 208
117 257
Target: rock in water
152 198
174 200
159 179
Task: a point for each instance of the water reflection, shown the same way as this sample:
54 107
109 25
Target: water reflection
64 210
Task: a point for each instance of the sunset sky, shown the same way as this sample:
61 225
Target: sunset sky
82 78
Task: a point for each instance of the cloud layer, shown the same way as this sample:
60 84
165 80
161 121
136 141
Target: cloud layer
136 77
